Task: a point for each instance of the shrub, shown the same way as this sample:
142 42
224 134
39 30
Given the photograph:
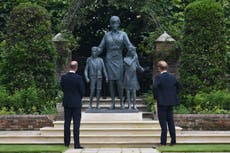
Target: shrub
228 61
29 58
181 109
149 100
4 97
213 102
202 64
25 101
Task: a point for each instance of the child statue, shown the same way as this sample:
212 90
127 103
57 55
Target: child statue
131 85
93 74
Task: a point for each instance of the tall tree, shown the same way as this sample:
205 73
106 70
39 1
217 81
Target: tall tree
29 58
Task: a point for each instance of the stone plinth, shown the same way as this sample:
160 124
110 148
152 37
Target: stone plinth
112 116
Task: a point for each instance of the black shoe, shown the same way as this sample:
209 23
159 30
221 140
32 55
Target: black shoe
161 145
158 145
78 147
172 144
154 147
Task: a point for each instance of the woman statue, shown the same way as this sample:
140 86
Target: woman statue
113 42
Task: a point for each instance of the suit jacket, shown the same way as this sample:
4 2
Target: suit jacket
73 89
165 89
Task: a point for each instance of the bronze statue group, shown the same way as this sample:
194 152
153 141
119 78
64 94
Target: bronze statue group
119 72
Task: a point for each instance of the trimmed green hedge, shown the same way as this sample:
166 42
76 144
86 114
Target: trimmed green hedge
29 59
202 65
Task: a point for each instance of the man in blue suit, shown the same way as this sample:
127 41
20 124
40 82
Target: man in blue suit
72 87
165 90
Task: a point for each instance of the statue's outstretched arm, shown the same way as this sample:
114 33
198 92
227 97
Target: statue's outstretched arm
101 46
138 65
86 71
104 70
127 42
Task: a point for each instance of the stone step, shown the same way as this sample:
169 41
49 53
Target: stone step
119 140
148 115
106 131
108 99
145 115
141 107
113 124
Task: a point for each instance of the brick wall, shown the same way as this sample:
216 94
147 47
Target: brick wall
25 122
186 121
213 122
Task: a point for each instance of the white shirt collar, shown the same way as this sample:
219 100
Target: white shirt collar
163 71
72 71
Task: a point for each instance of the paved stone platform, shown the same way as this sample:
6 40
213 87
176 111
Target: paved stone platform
113 150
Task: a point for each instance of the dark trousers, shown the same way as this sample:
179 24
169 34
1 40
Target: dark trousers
165 115
70 113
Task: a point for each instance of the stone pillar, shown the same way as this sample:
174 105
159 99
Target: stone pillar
163 48
64 54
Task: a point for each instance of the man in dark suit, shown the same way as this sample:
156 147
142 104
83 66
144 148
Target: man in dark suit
165 90
72 87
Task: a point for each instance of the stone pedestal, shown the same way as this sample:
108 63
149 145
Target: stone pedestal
112 116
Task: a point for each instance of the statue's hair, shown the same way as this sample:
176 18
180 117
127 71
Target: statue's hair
115 18
94 47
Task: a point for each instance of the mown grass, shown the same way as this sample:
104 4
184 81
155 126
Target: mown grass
32 148
196 148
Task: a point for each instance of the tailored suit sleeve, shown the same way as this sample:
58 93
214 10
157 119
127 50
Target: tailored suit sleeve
81 87
62 83
155 87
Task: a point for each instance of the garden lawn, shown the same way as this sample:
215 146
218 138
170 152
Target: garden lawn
196 148
32 148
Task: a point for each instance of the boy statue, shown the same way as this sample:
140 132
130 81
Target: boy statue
93 74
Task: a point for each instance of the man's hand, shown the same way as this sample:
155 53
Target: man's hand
106 80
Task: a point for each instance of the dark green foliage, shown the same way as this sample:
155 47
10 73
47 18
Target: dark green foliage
213 102
202 65
226 5
138 19
25 101
181 109
149 101
29 59
56 9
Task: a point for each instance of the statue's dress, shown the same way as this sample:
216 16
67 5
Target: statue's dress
130 77
113 42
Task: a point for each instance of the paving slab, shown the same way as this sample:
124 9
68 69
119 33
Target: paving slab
112 150
149 150
130 150
73 151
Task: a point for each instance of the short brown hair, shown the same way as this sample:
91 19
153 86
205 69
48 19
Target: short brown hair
73 65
